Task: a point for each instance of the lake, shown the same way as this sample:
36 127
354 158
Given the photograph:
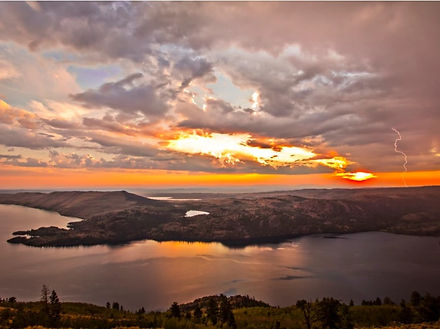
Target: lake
153 275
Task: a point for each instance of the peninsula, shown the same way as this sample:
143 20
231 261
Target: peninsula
232 219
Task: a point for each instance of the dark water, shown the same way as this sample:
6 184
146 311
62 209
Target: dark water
153 275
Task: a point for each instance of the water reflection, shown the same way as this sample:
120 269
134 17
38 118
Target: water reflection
154 274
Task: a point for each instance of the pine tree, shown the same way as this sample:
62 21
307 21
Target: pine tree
175 310
225 312
405 314
346 320
387 301
225 308
212 311
306 308
327 313
45 295
197 313
415 298
55 308
231 320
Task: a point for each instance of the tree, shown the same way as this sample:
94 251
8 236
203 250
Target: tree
225 312
415 298
429 308
387 301
197 313
306 308
327 313
115 306
231 321
44 294
55 308
45 298
212 311
346 319
405 314
175 310
225 309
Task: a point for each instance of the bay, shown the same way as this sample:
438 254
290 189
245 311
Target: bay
153 275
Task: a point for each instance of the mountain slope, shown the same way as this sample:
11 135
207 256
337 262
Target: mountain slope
79 204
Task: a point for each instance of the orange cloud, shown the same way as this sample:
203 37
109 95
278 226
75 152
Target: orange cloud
231 149
15 116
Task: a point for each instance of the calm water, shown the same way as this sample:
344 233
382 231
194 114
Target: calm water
153 275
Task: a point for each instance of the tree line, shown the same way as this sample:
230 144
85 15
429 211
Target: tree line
222 312
330 313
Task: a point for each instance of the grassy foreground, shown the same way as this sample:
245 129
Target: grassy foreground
225 312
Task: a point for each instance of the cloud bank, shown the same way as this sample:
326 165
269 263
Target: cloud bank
329 78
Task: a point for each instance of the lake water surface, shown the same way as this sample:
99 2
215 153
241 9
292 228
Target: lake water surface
153 275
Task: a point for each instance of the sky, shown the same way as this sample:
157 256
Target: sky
161 94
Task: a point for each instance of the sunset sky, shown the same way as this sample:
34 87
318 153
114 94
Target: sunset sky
219 94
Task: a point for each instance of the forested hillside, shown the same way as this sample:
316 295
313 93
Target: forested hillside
225 312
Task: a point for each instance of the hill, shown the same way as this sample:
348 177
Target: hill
239 219
79 204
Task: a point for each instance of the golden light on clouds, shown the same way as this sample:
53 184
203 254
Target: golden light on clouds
337 162
231 149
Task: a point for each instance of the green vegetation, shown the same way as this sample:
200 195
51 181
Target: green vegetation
226 313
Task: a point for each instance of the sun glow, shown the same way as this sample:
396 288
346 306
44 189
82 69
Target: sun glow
358 176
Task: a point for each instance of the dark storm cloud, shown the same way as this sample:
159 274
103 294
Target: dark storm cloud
124 95
14 136
192 68
10 156
118 146
97 27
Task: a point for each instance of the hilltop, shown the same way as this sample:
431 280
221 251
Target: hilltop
238 219
79 204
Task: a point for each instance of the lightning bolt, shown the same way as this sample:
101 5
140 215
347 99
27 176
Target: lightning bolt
396 149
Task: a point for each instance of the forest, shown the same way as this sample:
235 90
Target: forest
419 311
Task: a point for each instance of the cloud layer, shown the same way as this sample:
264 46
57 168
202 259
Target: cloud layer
333 78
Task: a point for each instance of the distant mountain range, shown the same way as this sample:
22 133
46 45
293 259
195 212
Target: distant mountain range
233 219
